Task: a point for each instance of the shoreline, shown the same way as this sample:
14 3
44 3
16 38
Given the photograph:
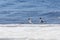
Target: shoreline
29 25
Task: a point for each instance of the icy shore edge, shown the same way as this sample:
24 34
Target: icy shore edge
29 25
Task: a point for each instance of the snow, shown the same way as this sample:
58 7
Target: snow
30 31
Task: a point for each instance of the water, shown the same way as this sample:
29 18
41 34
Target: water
18 11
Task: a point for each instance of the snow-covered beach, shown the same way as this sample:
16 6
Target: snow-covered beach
30 31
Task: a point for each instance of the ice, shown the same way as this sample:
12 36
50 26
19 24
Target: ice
30 31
